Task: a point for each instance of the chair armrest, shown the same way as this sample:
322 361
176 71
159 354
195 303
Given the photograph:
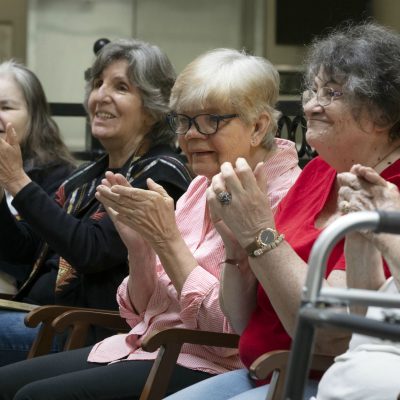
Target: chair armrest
180 336
264 365
169 342
44 339
80 320
275 363
44 314
56 319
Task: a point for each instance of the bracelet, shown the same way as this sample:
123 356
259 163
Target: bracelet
231 261
270 246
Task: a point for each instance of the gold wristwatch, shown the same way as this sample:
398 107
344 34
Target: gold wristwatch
266 240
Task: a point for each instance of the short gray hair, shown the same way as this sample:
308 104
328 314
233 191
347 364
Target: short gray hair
150 70
365 59
232 81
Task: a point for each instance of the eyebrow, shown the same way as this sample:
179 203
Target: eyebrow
328 82
9 102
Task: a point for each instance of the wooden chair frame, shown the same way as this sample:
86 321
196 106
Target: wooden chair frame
58 319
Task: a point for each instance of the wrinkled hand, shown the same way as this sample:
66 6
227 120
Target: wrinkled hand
12 174
249 210
148 212
129 236
233 250
363 189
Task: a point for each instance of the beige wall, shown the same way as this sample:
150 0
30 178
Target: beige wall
387 12
13 24
55 37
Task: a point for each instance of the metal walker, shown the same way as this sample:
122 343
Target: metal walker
316 306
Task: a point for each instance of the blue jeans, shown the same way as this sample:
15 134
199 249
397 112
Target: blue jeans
234 385
15 338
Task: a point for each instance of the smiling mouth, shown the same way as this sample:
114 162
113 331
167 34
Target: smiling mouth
104 115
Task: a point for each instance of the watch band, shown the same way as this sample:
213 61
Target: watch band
268 247
258 246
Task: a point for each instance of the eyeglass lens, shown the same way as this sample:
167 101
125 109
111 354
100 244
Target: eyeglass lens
324 96
205 123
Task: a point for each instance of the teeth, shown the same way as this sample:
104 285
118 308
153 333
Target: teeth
104 115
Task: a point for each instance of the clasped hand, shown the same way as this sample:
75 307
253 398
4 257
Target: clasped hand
148 212
363 189
249 210
12 175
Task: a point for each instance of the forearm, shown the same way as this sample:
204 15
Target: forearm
90 245
364 268
238 294
177 260
388 245
18 243
281 273
142 276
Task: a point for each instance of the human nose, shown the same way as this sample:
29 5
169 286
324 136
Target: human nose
312 105
103 93
193 131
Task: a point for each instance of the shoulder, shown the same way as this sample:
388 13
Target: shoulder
50 177
161 164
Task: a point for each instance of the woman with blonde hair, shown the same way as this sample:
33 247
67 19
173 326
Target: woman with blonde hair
222 109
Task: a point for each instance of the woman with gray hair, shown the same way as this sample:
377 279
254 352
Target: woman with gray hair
352 107
46 159
75 254
222 109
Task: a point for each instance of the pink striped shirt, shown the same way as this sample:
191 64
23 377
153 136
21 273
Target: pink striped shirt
198 306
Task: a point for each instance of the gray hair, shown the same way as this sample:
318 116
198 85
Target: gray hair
365 60
43 143
232 81
151 71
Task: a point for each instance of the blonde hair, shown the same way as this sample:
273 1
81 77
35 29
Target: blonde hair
233 82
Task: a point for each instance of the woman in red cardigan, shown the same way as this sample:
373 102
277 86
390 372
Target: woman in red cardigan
352 106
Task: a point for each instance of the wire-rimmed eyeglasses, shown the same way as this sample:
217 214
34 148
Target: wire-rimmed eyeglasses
324 95
207 124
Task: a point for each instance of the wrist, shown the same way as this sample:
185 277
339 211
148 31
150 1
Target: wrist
266 240
16 185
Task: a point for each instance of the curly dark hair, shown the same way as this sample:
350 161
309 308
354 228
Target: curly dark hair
365 59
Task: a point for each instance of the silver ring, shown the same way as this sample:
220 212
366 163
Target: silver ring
225 198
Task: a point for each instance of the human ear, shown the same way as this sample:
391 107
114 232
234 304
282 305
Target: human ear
261 126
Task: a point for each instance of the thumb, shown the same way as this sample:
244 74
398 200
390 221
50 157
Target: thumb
11 135
261 178
156 187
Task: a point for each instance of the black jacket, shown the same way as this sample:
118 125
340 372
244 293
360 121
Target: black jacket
77 255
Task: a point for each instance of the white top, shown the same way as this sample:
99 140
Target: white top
370 369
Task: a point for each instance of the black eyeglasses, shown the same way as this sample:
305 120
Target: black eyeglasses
324 96
207 124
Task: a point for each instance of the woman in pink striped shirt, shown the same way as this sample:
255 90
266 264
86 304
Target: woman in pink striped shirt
223 109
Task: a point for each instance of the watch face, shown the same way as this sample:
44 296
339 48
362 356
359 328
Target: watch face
267 236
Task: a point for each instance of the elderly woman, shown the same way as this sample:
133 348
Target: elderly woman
76 255
369 369
46 159
222 109
352 106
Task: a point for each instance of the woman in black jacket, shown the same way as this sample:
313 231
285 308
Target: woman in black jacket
46 159
76 254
